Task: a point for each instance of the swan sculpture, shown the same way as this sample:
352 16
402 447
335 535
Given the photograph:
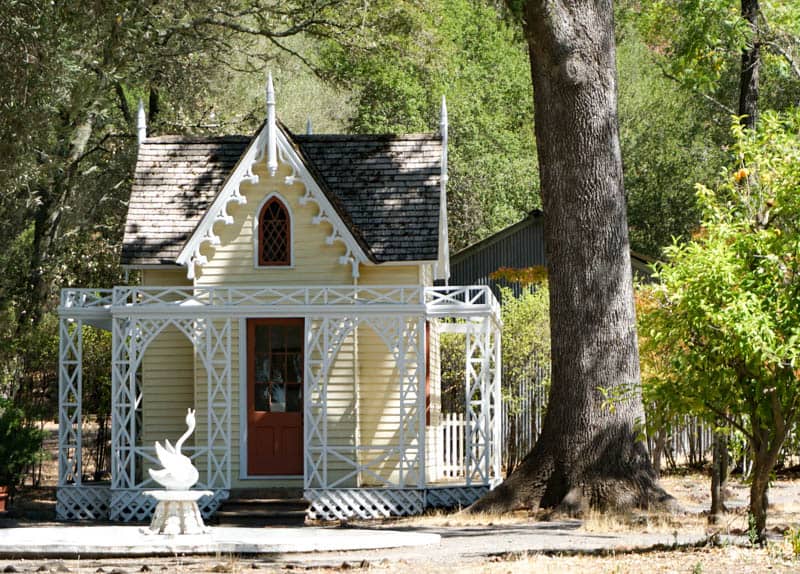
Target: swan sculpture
178 473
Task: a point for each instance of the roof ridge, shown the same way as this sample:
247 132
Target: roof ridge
187 139
367 137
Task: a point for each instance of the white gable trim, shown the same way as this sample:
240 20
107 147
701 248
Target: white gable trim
190 255
257 234
354 254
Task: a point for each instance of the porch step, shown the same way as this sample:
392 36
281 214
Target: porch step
257 512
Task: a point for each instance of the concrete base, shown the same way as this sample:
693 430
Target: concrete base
97 541
177 512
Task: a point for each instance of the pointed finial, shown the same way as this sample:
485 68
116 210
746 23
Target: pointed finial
141 123
309 129
442 267
272 153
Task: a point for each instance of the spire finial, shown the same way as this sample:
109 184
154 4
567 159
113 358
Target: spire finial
141 123
309 128
272 154
443 117
442 268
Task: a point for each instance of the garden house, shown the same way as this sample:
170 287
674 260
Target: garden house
286 292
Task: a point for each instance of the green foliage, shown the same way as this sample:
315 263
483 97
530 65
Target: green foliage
725 319
20 444
526 333
664 132
700 43
470 53
792 536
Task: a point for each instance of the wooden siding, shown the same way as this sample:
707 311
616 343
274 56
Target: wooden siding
167 387
165 277
233 260
379 403
389 275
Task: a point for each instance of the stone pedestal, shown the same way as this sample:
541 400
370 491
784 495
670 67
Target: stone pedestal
177 512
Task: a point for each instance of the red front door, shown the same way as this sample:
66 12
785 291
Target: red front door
274 397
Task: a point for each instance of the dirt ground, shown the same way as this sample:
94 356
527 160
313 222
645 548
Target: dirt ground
35 506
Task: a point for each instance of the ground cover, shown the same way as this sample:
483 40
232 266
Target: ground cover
34 506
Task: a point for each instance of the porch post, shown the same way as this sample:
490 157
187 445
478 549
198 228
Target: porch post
70 393
123 389
215 352
497 415
422 366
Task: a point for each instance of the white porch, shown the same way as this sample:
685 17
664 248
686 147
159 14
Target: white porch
208 316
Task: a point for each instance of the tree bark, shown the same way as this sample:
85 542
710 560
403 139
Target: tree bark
719 477
590 452
751 67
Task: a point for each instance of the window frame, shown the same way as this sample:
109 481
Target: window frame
258 234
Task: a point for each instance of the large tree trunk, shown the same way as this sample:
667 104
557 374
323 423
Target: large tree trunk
590 452
751 66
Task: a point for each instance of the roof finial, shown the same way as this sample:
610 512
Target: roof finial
442 270
272 154
309 129
141 123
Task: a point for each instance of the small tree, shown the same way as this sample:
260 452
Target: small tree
728 305
20 445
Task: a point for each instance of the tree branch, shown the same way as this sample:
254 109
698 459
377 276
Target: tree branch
728 110
781 51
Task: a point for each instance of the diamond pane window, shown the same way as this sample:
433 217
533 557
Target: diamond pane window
274 234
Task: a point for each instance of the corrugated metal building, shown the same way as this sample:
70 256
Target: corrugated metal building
518 246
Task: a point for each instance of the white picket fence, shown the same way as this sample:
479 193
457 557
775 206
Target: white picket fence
453 431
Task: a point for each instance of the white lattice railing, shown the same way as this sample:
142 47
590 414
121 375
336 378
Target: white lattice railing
439 301
456 300
86 298
269 296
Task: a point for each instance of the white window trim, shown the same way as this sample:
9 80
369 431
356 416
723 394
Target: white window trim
257 233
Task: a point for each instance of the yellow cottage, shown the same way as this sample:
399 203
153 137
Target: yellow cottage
287 295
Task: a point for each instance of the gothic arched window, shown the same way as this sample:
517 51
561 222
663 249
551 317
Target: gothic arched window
274 234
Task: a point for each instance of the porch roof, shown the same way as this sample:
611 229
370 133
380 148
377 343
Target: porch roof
388 187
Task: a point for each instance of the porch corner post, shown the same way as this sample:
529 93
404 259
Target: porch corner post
497 392
422 366
487 384
70 394
121 366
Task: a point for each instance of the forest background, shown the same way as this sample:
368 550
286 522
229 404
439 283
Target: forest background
74 72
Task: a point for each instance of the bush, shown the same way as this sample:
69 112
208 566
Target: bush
20 445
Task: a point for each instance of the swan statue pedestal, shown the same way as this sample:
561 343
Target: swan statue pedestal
176 511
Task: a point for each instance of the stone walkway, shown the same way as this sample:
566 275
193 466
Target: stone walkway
311 546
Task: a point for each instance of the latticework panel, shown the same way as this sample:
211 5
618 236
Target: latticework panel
365 503
70 389
82 502
134 506
453 496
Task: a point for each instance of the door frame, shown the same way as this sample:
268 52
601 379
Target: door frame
243 382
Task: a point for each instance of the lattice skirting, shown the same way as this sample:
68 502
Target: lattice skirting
101 503
366 503
453 496
83 502
371 503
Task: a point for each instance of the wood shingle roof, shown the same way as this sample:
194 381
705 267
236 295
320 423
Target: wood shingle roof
385 188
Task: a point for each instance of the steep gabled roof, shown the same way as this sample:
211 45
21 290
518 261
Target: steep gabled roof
176 178
384 188
389 187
